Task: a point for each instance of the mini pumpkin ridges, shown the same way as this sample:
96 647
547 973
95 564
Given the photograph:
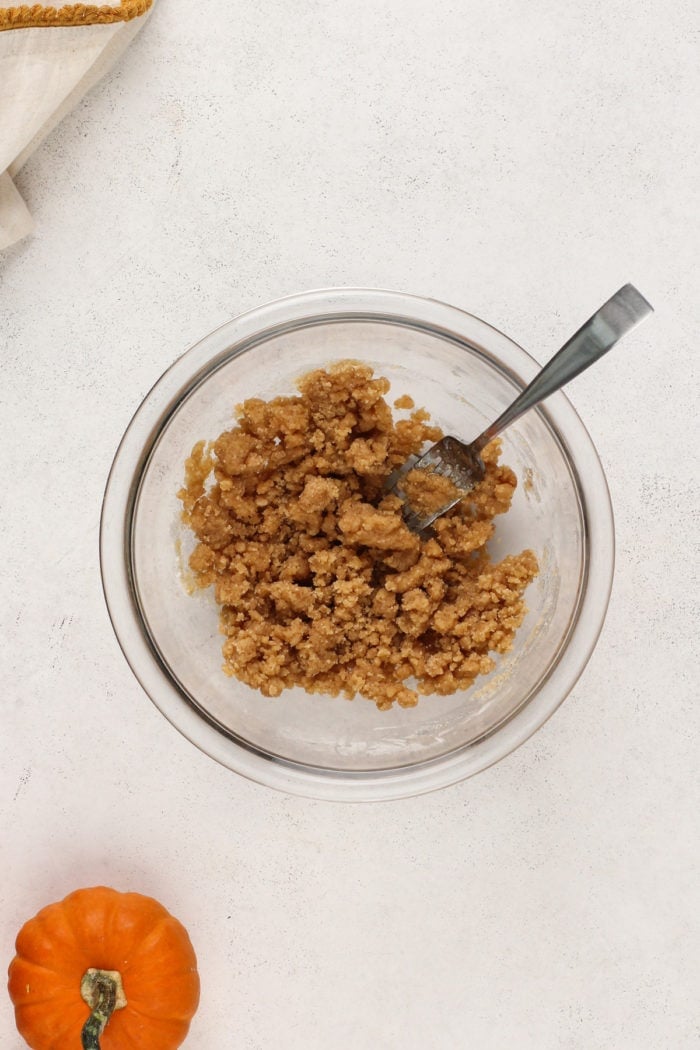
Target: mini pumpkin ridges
106 930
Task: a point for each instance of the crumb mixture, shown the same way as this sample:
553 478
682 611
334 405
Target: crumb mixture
320 583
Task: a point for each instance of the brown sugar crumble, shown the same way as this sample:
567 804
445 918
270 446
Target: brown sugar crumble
320 583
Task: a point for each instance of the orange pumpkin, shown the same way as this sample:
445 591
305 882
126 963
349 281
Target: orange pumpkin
103 969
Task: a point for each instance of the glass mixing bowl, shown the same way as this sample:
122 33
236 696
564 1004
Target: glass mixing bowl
464 372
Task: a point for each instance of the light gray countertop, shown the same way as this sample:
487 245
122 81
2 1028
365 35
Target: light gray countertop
521 161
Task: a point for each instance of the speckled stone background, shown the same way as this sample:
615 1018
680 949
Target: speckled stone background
521 161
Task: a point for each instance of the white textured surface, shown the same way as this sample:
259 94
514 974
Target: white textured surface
521 161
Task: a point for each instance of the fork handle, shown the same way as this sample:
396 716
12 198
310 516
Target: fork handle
623 312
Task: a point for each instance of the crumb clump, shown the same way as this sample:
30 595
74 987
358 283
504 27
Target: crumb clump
319 581
426 492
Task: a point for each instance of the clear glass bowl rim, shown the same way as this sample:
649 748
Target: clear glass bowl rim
131 459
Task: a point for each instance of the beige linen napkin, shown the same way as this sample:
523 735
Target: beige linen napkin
49 58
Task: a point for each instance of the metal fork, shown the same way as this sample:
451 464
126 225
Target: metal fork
462 464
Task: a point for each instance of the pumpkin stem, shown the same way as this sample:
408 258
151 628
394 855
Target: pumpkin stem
103 992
